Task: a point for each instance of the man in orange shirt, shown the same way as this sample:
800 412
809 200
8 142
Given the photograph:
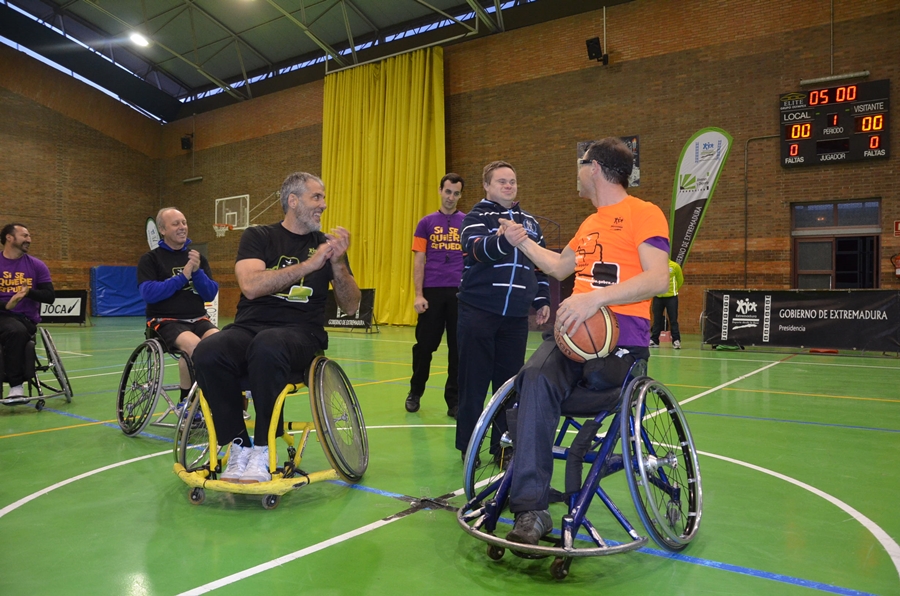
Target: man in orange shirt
620 259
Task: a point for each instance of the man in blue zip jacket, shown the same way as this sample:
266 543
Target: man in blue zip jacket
499 286
176 282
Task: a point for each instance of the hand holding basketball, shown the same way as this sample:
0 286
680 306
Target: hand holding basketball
595 338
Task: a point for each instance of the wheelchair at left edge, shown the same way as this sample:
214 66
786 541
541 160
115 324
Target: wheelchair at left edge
337 420
658 457
34 367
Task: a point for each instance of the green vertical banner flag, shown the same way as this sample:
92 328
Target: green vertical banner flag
701 162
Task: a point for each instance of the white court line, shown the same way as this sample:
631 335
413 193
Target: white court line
13 506
221 583
732 382
891 546
889 364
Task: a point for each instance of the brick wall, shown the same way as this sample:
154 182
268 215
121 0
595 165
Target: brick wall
527 96
83 195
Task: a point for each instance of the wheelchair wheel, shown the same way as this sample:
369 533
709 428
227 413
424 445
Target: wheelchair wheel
56 364
481 465
338 419
192 435
139 388
661 461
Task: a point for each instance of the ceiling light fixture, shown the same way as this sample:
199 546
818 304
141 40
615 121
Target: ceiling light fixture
139 39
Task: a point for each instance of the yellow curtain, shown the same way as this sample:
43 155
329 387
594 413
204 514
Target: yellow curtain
382 161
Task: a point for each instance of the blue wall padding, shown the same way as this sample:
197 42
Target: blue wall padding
114 292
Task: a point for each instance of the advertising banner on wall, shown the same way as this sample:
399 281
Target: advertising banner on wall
699 166
335 317
70 306
865 320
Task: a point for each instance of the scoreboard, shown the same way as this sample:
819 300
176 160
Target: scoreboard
835 124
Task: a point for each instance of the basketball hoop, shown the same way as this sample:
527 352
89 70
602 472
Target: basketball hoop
220 229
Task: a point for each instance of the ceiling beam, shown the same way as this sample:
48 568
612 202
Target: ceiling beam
444 14
330 51
228 30
209 76
483 16
349 32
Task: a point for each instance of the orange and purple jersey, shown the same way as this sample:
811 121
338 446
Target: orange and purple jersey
606 249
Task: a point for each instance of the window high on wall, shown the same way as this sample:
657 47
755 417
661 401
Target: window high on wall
836 244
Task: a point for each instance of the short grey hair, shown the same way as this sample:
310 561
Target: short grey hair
296 184
159 216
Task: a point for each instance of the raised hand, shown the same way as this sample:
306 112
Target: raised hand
339 240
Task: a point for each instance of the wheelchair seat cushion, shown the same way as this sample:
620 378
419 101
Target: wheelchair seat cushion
586 402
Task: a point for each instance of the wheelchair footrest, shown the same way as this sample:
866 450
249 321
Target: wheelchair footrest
537 551
276 486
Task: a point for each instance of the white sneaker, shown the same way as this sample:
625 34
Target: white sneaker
246 415
17 391
676 344
258 467
237 462
653 344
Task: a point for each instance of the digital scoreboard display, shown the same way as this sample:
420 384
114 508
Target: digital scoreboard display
835 124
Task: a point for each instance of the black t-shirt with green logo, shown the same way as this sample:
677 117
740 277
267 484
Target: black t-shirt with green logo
302 303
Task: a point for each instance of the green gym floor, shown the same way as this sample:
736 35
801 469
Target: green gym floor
798 454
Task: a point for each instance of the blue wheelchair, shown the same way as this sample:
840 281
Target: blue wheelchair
657 455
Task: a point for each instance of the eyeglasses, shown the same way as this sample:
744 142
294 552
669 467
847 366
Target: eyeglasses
587 162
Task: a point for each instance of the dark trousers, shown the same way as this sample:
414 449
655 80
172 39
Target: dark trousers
491 351
269 358
543 384
441 314
669 305
15 332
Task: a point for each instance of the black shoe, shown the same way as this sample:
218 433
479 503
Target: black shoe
530 527
412 402
452 411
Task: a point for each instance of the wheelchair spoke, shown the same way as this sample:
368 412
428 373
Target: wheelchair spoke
663 472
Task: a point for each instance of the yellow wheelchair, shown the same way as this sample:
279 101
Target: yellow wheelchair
337 420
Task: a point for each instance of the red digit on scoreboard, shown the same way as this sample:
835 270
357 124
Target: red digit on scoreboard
874 141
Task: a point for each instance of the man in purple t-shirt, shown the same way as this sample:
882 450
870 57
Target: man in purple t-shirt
24 284
437 269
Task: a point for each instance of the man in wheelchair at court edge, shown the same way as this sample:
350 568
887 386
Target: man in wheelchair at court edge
283 270
176 282
620 259
24 284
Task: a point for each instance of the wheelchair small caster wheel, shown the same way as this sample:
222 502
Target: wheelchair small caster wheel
197 496
271 501
495 552
559 568
39 405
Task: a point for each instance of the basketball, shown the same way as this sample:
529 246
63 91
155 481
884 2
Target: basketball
594 338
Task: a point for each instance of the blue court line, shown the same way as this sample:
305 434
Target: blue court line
369 489
786 579
825 424
107 424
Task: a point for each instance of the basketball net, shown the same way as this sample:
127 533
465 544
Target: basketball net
220 229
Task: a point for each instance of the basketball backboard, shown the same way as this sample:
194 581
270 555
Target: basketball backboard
234 211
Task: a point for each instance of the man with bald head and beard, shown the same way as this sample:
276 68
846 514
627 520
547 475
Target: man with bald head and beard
283 271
